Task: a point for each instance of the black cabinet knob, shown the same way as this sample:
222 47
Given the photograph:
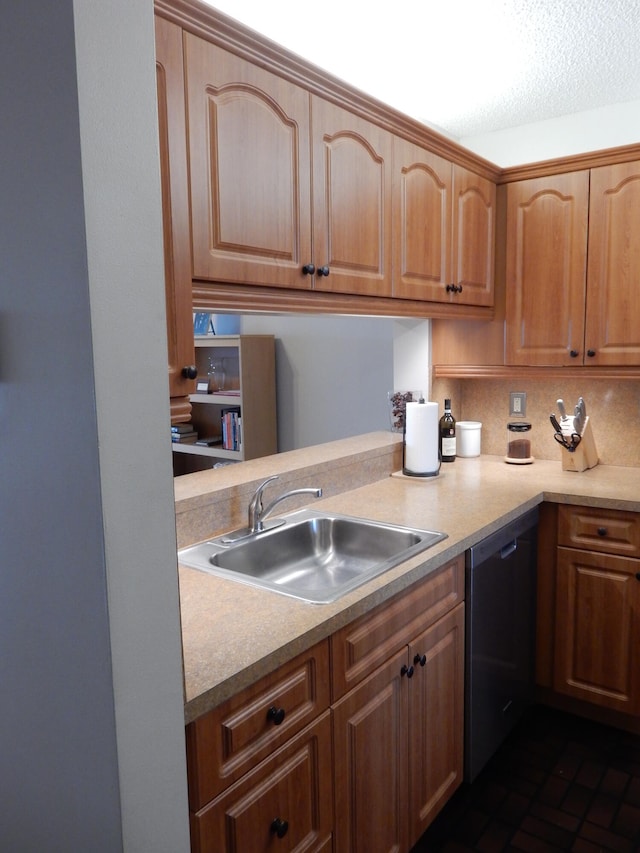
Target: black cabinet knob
638 576
420 659
574 353
450 288
275 715
591 353
190 371
602 531
323 271
407 670
279 827
308 269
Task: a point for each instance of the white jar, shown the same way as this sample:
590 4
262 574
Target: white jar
468 435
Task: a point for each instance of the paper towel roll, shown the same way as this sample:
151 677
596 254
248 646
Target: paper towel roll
421 440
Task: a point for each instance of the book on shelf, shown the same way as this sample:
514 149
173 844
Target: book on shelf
201 323
184 437
180 429
212 441
231 428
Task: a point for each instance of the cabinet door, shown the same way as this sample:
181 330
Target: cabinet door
597 612
613 309
351 202
370 763
175 214
250 170
546 269
436 719
283 805
474 220
421 223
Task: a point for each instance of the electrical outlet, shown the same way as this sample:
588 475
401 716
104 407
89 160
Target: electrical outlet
517 404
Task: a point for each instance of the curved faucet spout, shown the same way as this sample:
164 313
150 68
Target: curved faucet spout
257 513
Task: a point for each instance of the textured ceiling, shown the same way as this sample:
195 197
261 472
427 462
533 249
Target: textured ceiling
466 66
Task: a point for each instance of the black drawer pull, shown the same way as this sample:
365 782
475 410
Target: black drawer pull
420 659
279 827
407 670
276 715
602 531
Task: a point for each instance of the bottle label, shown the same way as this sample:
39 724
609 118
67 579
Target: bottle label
449 446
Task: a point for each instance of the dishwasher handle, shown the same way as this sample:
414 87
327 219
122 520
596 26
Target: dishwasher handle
508 549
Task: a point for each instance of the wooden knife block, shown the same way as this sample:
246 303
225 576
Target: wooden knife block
585 455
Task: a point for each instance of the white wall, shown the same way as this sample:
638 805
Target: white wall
592 130
91 727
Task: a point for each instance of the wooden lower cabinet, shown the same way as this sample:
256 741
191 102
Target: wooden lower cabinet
279 768
597 614
284 804
398 741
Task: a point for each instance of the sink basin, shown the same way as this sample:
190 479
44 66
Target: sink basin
315 557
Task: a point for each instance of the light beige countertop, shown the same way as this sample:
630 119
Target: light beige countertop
234 634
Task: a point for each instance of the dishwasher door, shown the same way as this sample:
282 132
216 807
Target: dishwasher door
500 590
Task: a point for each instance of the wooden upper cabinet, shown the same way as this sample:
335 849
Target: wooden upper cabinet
612 332
444 229
422 222
351 202
474 237
546 260
175 210
249 161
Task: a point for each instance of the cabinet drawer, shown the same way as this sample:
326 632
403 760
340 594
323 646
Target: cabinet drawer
358 648
608 531
293 787
228 741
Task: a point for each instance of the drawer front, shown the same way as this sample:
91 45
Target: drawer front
228 741
290 794
361 646
602 530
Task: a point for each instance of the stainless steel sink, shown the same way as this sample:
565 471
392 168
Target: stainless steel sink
312 556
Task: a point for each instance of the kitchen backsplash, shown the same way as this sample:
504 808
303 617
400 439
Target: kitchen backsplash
613 408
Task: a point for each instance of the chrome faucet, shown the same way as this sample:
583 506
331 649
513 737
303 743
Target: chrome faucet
257 513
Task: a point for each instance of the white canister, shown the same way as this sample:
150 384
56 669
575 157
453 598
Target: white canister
468 434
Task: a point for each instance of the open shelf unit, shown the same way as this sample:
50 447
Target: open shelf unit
249 386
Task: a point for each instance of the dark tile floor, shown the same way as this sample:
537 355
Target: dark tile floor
559 783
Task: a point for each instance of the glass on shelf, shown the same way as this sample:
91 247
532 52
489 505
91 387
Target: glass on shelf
217 374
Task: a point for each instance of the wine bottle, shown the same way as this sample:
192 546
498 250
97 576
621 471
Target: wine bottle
447 434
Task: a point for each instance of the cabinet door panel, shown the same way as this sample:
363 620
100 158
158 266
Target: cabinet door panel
436 719
474 216
175 209
613 306
370 749
546 269
422 223
597 612
250 170
351 202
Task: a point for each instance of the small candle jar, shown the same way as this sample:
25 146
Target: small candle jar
519 443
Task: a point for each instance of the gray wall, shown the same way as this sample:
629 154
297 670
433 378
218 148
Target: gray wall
91 737
333 374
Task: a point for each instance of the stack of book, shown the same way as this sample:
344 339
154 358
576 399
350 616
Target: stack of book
183 433
231 428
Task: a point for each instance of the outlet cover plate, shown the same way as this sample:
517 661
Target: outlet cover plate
517 404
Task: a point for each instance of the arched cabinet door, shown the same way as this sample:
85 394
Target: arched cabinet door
612 334
250 170
546 260
351 202
175 220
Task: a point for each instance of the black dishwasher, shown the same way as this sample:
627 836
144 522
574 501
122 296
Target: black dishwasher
500 590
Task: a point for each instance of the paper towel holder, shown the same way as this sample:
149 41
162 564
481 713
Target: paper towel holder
405 470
